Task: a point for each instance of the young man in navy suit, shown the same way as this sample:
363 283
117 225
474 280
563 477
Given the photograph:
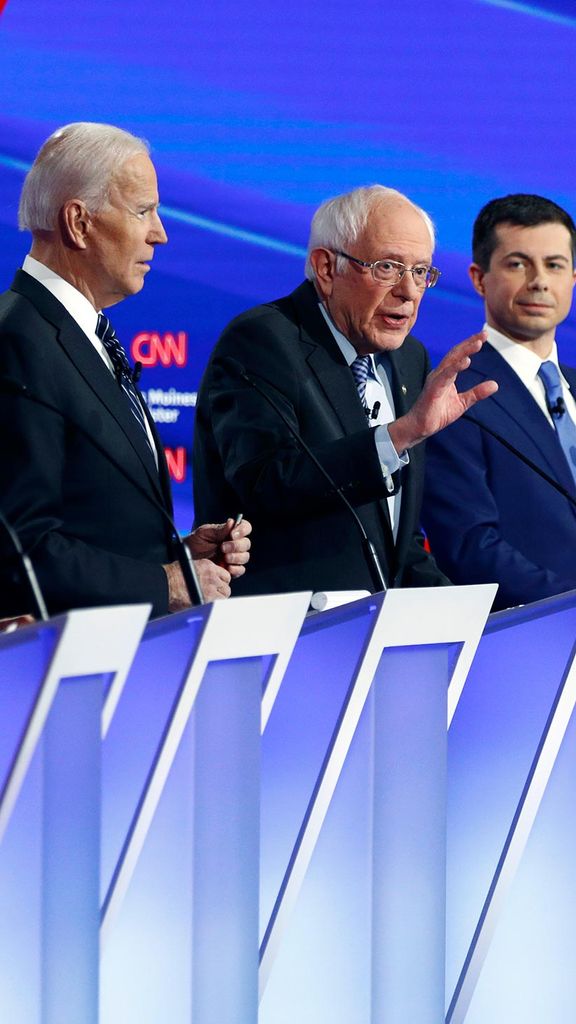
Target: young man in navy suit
489 517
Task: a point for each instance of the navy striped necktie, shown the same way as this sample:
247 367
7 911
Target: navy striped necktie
361 371
122 370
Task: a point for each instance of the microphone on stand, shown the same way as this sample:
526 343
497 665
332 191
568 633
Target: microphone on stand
238 370
27 570
183 556
558 408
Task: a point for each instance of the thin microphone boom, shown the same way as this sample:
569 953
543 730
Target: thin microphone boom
15 387
29 573
523 458
238 370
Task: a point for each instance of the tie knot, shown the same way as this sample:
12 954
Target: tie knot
550 375
110 341
104 329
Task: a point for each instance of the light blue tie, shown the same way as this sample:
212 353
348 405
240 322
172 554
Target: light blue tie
361 371
563 422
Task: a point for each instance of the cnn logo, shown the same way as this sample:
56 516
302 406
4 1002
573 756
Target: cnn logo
176 460
153 349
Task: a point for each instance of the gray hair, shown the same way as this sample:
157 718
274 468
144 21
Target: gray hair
339 221
78 161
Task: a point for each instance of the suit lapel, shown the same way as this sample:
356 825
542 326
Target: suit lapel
326 361
333 376
90 366
401 382
517 416
406 387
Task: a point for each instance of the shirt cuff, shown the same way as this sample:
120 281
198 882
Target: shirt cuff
387 454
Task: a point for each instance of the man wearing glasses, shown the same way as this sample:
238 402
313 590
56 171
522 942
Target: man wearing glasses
334 363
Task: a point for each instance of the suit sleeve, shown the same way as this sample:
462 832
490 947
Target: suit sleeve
468 485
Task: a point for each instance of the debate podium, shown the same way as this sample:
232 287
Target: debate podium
246 814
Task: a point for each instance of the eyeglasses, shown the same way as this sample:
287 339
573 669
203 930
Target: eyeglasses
390 271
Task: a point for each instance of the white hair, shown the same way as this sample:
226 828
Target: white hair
338 222
78 161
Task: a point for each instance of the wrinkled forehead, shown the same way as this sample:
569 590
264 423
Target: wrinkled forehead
396 229
136 176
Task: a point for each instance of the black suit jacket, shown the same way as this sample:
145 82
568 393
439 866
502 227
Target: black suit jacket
77 480
245 459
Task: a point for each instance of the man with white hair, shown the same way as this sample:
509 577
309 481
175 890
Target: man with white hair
337 361
83 478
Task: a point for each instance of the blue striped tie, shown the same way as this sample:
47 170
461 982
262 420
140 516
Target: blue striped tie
122 370
360 371
563 422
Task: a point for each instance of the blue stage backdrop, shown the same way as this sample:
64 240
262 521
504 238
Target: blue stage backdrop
256 112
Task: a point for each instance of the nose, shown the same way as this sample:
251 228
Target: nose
539 279
406 287
157 234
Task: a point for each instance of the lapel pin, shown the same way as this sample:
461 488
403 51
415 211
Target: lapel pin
404 389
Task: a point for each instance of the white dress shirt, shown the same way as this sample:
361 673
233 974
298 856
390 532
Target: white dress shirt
526 364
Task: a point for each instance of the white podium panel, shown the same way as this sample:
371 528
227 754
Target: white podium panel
354 756
52 681
512 824
181 771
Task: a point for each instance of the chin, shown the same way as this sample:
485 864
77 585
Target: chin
390 342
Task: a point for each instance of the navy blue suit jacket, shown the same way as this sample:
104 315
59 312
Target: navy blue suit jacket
490 518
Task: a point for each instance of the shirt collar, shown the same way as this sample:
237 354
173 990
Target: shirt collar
346 347
522 360
76 304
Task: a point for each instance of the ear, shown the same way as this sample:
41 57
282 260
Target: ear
324 265
75 223
477 277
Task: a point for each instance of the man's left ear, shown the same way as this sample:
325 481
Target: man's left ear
324 266
75 223
477 277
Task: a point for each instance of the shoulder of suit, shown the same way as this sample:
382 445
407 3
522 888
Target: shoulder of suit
278 319
17 313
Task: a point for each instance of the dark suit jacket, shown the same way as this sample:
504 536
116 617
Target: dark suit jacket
245 459
79 483
490 518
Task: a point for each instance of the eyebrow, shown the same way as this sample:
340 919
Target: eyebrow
525 256
400 259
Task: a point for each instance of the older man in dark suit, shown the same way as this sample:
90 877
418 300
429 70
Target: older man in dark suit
83 479
337 360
